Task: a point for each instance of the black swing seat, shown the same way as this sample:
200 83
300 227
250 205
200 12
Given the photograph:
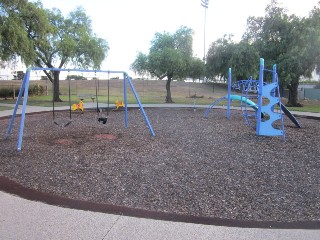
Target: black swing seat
103 119
63 125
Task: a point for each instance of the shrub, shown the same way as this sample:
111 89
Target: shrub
36 90
75 77
6 93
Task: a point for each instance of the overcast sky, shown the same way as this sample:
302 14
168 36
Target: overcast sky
129 25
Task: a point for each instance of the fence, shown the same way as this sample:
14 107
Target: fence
309 93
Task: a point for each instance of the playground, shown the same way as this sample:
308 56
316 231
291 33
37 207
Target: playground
195 166
257 162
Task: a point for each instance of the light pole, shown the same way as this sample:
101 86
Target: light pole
205 4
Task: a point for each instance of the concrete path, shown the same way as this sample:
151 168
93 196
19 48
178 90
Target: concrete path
24 219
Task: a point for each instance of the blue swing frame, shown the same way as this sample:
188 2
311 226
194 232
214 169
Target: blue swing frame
24 91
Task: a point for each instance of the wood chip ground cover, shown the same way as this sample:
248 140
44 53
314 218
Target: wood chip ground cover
195 166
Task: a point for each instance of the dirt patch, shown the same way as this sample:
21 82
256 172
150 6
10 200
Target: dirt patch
63 141
105 136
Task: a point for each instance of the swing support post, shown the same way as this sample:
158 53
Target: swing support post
140 105
23 90
125 100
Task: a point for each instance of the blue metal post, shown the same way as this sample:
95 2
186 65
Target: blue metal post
261 74
229 93
24 105
274 80
141 107
274 76
125 100
9 130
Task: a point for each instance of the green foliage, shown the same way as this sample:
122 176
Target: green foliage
21 23
312 28
36 90
197 68
244 61
20 75
11 92
45 38
73 40
169 55
218 56
8 92
140 65
75 77
241 57
282 38
291 42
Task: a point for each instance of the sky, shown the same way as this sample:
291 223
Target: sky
129 25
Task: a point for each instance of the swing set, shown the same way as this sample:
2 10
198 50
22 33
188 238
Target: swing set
80 105
24 93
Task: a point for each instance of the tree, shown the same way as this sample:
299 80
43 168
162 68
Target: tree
169 57
46 38
19 19
311 26
244 61
218 56
241 57
290 42
197 69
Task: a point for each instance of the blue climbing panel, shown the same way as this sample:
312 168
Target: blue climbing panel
270 92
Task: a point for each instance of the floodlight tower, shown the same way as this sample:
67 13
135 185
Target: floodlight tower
204 4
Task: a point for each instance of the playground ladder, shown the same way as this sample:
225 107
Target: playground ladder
249 87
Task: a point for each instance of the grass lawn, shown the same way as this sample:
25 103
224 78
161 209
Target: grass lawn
2 108
148 91
307 107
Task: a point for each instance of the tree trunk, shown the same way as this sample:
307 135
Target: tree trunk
293 94
168 97
56 86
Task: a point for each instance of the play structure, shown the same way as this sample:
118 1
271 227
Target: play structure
78 106
119 104
23 93
267 96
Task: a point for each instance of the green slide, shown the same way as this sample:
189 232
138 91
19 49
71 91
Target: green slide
255 107
243 99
